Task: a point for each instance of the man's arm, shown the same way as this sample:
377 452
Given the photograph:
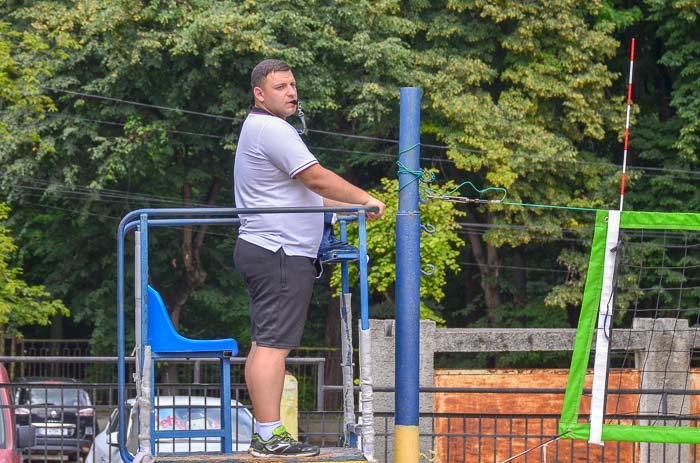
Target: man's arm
331 203
336 189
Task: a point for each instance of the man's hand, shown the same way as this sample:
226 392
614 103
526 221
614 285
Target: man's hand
374 202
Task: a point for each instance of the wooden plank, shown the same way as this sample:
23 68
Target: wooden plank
328 455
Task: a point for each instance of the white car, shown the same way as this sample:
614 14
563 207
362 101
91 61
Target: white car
179 412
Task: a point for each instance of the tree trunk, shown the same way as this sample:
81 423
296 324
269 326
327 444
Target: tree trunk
56 331
520 279
488 260
194 274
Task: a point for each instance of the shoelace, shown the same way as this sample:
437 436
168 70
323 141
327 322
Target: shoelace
286 437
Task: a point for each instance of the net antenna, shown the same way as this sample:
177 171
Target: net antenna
627 127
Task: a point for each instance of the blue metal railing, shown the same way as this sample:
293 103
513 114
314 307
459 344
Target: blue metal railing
142 219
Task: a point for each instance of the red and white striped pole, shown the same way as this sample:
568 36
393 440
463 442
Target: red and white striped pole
627 127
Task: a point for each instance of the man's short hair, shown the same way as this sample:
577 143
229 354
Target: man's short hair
265 67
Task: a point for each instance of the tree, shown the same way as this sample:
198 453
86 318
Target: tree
666 140
113 155
21 69
518 93
678 28
21 304
439 249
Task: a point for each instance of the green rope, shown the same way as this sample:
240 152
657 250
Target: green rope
424 176
420 175
480 192
409 149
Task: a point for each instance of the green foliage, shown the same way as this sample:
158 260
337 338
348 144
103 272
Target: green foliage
518 113
666 137
519 93
527 95
621 18
439 249
674 188
679 27
97 159
21 304
570 293
20 74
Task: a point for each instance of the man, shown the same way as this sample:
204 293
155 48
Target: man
275 252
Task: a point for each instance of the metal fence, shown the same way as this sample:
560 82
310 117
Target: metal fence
102 373
453 437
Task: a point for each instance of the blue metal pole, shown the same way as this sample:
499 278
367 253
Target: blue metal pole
143 277
362 263
344 268
408 283
121 354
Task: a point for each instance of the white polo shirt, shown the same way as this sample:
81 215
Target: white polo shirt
269 155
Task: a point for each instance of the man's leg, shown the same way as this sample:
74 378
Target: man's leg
248 363
264 376
277 284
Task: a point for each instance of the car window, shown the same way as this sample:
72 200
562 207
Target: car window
242 425
113 425
182 418
4 428
166 419
41 395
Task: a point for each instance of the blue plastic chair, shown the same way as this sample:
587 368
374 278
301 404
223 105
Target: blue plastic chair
167 343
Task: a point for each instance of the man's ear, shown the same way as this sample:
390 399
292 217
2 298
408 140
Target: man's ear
258 94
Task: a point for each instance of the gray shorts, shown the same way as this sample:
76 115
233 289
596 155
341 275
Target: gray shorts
279 288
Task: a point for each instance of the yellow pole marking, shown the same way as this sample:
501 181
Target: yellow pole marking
406 449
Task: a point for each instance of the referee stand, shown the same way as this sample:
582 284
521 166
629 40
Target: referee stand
156 339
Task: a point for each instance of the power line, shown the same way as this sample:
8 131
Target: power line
515 267
239 120
43 186
210 115
116 219
80 190
392 157
143 105
325 132
550 241
212 233
39 187
183 132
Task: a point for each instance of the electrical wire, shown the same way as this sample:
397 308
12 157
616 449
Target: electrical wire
515 267
80 190
339 134
143 105
116 219
679 172
586 230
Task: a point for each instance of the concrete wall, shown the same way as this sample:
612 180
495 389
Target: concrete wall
383 352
